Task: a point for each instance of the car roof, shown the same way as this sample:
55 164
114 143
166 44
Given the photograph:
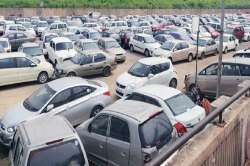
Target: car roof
161 91
12 55
61 39
29 44
136 110
244 61
153 60
40 131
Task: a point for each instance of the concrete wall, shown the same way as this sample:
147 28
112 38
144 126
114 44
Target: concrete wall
118 12
218 146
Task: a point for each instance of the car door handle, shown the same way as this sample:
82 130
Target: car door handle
123 154
101 146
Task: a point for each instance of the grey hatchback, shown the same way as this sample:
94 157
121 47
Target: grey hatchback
127 133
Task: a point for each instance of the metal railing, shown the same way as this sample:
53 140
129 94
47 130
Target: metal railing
162 157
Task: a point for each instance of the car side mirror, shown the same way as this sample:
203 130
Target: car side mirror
150 76
49 107
33 65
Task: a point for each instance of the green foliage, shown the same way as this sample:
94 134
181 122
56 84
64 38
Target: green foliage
176 4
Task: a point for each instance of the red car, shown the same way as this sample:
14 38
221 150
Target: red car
237 30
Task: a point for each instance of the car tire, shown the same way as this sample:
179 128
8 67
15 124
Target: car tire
43 77
71 74
235 48
190 58
203 55
225 50
171 59
147 53
173 83
216 51
131 47
106 71
95 111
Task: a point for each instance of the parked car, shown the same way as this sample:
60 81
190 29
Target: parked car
58 138
127 133
154 70
229 43
57 27
180 109
14 28
206 46
91 34
60 49
86 46
46 40
143 43
162 38
111 46
33 50
41 27
16 39
74 98
92 63
242 54
234 71
72 36
175 50
4 42
17 68
236 30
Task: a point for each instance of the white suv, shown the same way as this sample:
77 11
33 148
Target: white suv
154 70
60 48
143 43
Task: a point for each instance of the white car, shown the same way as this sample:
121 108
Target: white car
153 70
46 40
18 68
60 48
33 50
229 43
246 34
41 27
178 107
18 28
143 43
4 42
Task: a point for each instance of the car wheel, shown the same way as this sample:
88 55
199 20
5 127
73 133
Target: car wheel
106 71
235 48
191 87
190 58
248 38
131 47
95 111
226 50
217 51
173 83
43 77
146 53
71 74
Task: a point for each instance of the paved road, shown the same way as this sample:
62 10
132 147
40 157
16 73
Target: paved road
10 95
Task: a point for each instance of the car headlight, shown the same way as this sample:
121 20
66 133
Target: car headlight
11 129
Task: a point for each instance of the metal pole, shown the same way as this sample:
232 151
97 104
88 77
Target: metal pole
197 51
220 56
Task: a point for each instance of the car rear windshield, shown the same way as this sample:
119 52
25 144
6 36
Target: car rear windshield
179 104
64 46
156 132
63 154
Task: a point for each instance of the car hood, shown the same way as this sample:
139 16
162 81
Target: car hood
192 116
66 53
16 115
41 28
116 51
66 65
162 52
153 45
127 79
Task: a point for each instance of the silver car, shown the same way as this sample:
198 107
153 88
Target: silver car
75 98
127 133
58 138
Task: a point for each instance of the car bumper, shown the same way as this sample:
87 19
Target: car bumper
120 58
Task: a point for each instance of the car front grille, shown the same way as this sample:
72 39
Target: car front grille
119 93
120 86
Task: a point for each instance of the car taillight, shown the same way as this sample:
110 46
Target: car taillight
106 93
180 128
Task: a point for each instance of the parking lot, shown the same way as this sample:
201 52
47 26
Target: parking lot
10 95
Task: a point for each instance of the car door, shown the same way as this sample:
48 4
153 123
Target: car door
118 142
157 75
8 71
26 72
230 78
177 52
207 79
184 51
213 46
86 66
95 139
99 63
12 40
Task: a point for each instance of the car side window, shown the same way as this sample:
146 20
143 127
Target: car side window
53 26
184 45
23 62
244 70
143 98
86 60
99 125
164 67
155 69
99 58
213 42
62 98
228 70
178 46
119 130
210 70
80 91
7 63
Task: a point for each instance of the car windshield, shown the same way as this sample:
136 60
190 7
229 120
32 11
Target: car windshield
149 39
4 44
167 46
229 30
33 51
139 70
48 38
201 42
95 35
72 37
39 98
64 46
112 44
156 132
64 154
179 104
90 46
